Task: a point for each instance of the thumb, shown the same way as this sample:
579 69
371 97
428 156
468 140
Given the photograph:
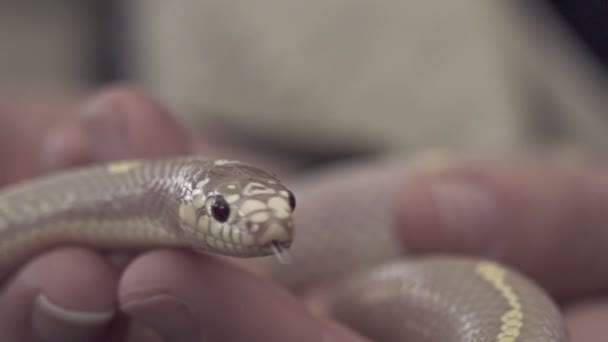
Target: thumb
546 218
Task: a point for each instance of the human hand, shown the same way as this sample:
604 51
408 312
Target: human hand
546 218
75 294
541 217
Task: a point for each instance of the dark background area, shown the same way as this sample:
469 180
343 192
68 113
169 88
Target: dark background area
589 20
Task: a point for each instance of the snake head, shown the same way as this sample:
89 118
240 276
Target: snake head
242 211
261 211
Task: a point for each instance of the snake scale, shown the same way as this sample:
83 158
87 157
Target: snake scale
235 209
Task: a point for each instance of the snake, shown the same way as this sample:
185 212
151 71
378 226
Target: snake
235 209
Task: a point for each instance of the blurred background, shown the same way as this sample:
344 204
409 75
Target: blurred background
324 79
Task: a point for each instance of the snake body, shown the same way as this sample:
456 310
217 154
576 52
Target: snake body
235 209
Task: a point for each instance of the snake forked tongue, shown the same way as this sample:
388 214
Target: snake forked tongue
281 253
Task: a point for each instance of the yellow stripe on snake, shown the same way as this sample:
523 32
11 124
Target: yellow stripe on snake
235 209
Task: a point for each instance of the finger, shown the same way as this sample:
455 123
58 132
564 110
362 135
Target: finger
545 218
185 297
63 295
118 123
125 122
587 320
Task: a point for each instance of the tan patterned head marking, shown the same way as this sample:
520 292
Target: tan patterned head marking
238 209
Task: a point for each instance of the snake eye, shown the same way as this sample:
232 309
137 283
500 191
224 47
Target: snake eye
220 209
292 200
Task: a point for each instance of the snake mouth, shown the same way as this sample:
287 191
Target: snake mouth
280 250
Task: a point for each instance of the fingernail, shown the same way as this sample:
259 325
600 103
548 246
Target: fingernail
168 315
466 212
52 321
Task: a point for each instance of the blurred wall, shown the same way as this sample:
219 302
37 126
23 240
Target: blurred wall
340 76
327 77
45 44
